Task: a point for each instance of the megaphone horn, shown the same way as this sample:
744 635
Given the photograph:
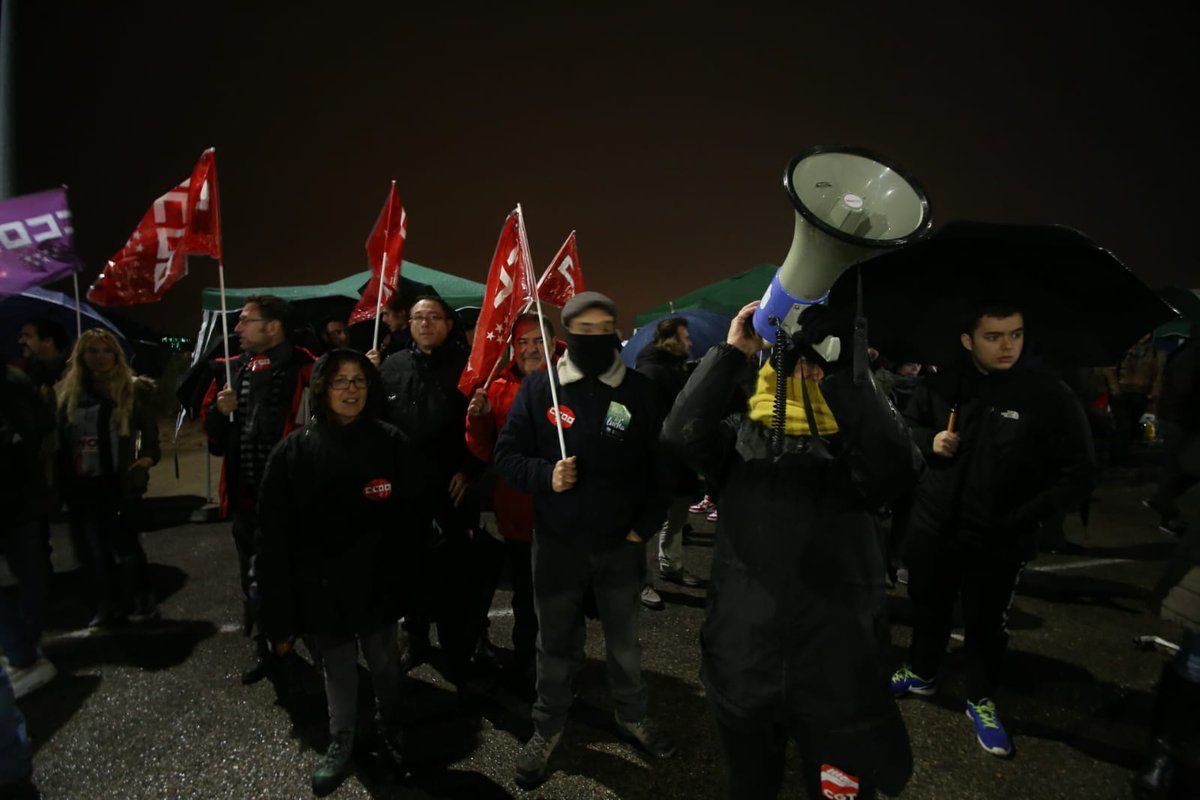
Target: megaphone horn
850 203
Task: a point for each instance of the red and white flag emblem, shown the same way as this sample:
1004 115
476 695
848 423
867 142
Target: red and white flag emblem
563 279
184 221
837 785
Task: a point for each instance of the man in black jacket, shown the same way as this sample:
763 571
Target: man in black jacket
664 361
793 643
267 400
423 401
593 512
1017 452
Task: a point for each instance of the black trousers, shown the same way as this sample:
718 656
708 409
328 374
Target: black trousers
754 755
1174 481
938 575
1127 408
445 595
525 623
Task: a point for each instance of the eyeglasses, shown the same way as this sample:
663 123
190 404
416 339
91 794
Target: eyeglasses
429 319
342 382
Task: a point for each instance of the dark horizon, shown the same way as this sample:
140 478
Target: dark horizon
660 136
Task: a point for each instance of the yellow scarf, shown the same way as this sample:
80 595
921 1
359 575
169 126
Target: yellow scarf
762 405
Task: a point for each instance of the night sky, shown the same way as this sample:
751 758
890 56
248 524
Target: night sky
660 135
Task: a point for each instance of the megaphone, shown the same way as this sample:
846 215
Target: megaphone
850 204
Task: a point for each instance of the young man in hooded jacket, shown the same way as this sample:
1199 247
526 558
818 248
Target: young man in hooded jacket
1008 448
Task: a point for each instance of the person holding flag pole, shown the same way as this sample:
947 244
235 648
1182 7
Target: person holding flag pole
533 348
593 512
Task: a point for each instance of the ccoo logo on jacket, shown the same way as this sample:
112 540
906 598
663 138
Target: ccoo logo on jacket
565 414
378 489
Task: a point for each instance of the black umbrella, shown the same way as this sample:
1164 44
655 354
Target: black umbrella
1082 306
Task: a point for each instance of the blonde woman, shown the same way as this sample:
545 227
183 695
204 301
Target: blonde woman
108 442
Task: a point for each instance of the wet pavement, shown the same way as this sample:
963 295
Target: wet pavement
157 711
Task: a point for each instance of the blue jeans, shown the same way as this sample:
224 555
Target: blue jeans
16 754
561 577
27 550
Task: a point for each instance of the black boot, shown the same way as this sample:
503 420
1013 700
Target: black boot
1176 710
1156 780
260 663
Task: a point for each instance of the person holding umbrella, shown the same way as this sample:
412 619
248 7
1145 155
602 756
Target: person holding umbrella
1008 447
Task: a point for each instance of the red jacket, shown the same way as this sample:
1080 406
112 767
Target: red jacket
514 508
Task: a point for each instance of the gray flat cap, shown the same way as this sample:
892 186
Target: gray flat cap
582 302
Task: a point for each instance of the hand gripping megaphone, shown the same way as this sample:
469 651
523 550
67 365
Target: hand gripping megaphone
850 204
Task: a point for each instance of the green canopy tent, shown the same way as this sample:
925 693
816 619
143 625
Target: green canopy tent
1187 303
454 290
311 302
725 296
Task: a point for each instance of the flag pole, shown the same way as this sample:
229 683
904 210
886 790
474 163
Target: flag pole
78 312
224 324
379 299
562 442
221 277
387 229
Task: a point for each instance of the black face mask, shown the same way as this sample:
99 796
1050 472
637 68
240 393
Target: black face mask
592 352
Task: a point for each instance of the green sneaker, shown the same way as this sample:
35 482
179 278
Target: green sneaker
332 768
905 681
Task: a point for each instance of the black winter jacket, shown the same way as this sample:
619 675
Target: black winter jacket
333 543
25 422
796 598
613 432
1025 453
423 401
669 373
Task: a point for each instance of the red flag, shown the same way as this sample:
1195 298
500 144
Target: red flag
509 289
389 233
563 279
184 221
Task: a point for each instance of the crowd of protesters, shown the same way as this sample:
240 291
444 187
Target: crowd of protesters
356 486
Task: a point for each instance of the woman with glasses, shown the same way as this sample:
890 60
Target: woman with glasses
108 440
329 545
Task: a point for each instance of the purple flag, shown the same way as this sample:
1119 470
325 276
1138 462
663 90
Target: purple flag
36 241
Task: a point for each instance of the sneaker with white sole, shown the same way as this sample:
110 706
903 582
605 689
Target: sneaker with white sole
713 515
535 755
905 681
654 741
988 731
703 507
651 599
26 680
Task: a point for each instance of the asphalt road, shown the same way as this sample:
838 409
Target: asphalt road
156 711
